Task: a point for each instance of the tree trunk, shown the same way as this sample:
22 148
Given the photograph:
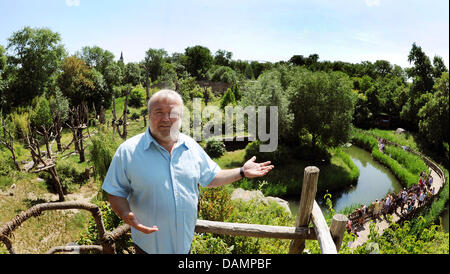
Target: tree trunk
81 147
57 183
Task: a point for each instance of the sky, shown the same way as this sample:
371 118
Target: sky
337 30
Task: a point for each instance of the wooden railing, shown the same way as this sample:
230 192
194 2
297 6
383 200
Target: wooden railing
329 239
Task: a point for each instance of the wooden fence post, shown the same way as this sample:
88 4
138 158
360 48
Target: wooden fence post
309 189
337 229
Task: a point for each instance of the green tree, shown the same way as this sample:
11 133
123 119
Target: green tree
228 98
132 74
80 84
198 61
96 57
434 115
268 90
154 59
323 105
223 57
37 55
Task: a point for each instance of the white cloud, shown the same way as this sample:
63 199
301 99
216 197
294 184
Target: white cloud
372 3
72 3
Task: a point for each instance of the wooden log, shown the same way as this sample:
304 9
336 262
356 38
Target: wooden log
323 233
254 230
309 189
337 229
76 249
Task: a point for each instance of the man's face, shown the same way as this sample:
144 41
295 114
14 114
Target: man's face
165 118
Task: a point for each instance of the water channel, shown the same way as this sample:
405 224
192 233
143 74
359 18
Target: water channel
375 182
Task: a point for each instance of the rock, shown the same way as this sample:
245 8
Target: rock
248 195
399 131
281 202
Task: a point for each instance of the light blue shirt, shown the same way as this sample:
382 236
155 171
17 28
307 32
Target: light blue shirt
161 189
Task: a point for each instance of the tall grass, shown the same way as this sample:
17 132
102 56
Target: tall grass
370 143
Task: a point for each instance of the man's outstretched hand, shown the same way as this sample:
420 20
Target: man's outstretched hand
252 169
134 222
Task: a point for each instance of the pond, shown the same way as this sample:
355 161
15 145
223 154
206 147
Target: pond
375 182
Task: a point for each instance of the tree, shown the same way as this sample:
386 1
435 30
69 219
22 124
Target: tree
132 74
222 58
60 110
154 59
439 67
198 61
268 90
421 72
382 68
228 98
434 115
81 84
222 74
298 60
323 105
36 60
96 57
3 80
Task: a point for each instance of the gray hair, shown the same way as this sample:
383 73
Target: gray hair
165 93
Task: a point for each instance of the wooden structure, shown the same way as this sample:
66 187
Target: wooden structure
329 239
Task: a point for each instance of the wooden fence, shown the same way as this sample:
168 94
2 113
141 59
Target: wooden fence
329 238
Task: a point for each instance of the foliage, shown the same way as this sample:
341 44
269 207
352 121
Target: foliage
370 144
215 204
268 90
41 116
96 57
111 221
214 148
322 103
132 74
434 115
136 97
80 84
37 56
221 74
228 99
198 61
402 240
102 151
255 212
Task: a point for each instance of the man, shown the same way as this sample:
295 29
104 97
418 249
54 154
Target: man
152 179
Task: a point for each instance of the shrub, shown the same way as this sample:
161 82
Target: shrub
214 148
111 221
214 204
136 98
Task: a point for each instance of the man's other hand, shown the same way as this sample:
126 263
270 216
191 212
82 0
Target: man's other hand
252 169
134 222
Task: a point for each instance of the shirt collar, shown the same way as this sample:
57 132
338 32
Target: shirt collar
148 139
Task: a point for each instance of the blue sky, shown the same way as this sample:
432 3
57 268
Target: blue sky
350 30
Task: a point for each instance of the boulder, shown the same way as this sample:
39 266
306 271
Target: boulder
248 195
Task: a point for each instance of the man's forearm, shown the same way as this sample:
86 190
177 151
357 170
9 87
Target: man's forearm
120 206
226 176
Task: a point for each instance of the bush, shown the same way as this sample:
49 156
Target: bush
136 98
102 151
111 221
214 204
214 148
